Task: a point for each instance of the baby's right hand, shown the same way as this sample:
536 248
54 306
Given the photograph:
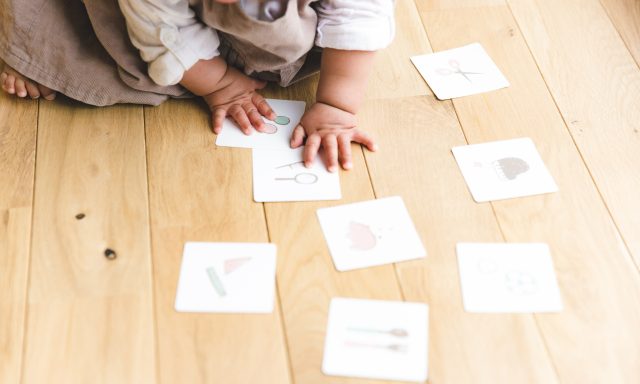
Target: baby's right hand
237 97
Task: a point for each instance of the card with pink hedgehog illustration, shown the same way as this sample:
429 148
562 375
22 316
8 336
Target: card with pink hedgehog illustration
370 233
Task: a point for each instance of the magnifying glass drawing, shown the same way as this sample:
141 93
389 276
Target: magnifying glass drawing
301 178
290 165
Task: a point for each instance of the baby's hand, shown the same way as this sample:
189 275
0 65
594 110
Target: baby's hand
237 97
334 130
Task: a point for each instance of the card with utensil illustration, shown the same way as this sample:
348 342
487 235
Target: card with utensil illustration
370 233
280 175
375 339
511 277
503 169
277 135
460 72
227 278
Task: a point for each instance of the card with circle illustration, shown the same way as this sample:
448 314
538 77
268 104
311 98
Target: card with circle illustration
370 233
504 169
374 339
278 134
506 278
280 175
460 72
227 278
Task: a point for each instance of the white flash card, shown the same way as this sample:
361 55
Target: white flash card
282 176
503 169
373 339
460 72
277 135
500 278
370 233
227 278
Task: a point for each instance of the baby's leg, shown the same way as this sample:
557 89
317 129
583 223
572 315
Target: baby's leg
15 84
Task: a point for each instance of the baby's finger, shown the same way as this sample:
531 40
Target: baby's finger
3 77
218 118
258 123
331 152
263 107
240 117
254 117
21 91
311 149
344 151
365 139
258 84
297 138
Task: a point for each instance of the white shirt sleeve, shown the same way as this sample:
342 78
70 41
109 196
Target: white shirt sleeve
169 37
363 25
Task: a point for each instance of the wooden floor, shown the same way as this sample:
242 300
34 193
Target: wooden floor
149 179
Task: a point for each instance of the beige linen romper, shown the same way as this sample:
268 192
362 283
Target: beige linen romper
82 49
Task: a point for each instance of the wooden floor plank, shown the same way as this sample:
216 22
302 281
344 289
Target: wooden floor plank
596 85
456 4
18 126
599 284
90 318
416 134
393 75
415 162
200 192
307 278
625 15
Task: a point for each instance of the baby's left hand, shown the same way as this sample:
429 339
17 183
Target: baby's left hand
334 130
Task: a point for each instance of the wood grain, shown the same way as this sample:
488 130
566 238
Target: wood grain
69 315
90 318
307 279
416 135
416 163
595 272
18 123
200 192
394 75
625 15
457 4
599 101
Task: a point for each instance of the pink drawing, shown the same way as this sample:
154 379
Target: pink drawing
270 129
232 265
361 236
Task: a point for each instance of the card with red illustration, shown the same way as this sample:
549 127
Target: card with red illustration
370 233
227 278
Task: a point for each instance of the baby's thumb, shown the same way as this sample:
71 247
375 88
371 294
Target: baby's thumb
297 137
259 84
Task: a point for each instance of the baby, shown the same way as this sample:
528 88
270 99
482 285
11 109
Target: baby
226 50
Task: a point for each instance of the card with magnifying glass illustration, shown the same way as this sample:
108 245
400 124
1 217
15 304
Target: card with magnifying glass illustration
280 175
